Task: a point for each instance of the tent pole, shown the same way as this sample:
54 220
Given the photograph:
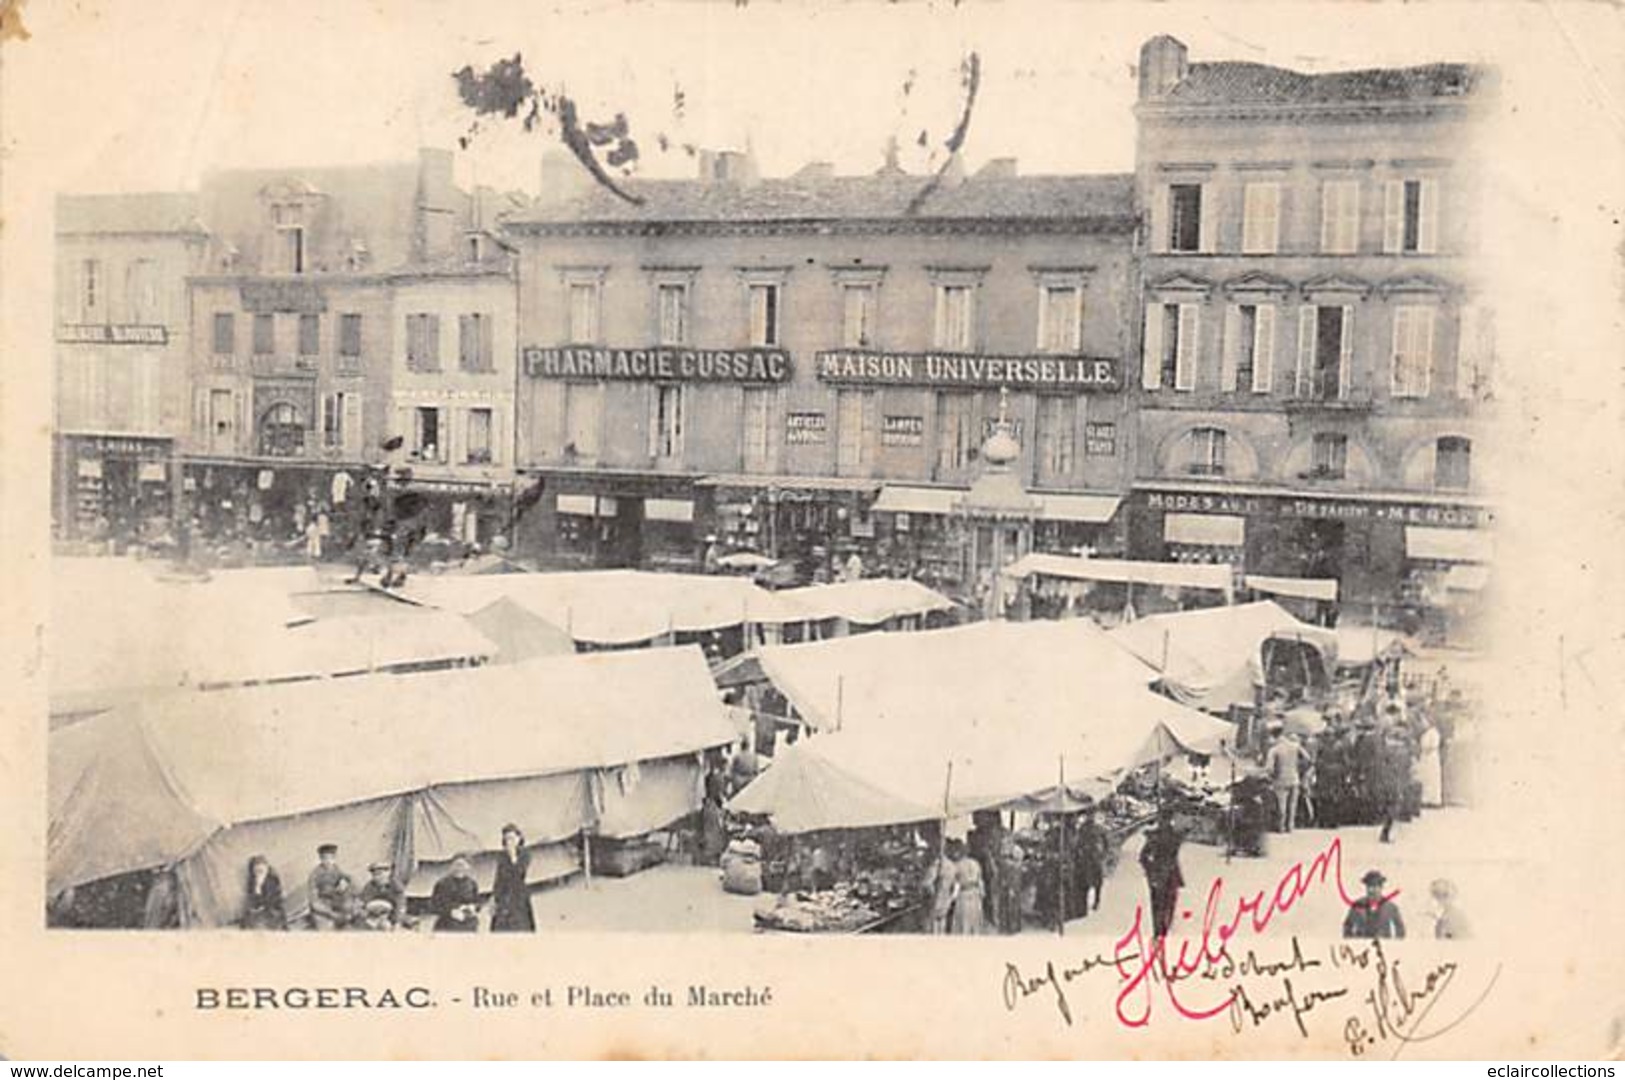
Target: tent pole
1065 863
1166 635
586 856
840 703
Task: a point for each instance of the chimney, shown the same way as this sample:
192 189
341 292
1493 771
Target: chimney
1002 168
1164 63
816 171
563 179
734 167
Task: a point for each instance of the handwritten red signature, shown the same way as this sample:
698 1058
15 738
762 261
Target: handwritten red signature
1144 965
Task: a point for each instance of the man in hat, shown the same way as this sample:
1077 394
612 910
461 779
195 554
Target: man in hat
1285 765
332 894
383 889
1373 915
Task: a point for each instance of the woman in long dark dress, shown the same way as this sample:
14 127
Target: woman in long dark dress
510 896
264 909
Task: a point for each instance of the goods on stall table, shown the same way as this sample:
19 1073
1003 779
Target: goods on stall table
742 868
835 910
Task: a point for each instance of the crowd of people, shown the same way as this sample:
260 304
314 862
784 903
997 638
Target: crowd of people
455 905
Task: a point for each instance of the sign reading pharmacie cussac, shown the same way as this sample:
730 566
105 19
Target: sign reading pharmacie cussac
657 363
970 371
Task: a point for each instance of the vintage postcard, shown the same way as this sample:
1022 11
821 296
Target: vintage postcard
768 530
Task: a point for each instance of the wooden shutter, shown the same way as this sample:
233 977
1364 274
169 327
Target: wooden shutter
241 405
1427 232
498 457
352 424
444 436
1469 331
200 412
1209 224
1345 359
1190 327
1330 215
1230 356
1261 215
1393 217
1306 350
1399 381
406 426
1263 348
1161 205
1151 354
1422 344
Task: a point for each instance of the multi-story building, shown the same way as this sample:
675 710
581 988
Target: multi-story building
1314 348
122 336
331 299
815 360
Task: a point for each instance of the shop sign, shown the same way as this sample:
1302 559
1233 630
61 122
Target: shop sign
1100 439
805 428
1322 509
658 364
270 297
902 431
959 370
123 446
990 424
112 334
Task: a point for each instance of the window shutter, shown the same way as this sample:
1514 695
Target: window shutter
324 417
1260 218
1190 322
1399 383
200 412
444 435
432 331
1330 215
654 420
1264 348
1151 356
1161 203
245 426
1206 241
1422 349
352 424
497 436
406 426
1393 216
488 354
1427 234
1306 349
1469 328
1345 359
1231 355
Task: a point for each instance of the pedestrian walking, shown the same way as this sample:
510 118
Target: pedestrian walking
967 916
1159 858
1284 763
944 888
1089 855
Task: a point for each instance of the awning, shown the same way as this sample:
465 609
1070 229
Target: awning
1183 575
679 510
1210 530
1303 588
917 500
788 483
1447 545
1090 509
1467 577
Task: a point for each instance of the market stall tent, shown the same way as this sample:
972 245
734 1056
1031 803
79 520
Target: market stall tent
610 607
412 769
1214 658
865 602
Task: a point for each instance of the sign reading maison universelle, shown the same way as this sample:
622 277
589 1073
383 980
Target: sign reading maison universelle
658 363
1077 373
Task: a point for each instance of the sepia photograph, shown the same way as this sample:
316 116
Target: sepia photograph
717 494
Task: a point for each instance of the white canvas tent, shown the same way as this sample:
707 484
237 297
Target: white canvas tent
865 602
411 769
992 714
610 607
1213 658
1215 576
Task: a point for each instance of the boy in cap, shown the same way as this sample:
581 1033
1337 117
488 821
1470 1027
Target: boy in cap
1373 915
382 889
331 891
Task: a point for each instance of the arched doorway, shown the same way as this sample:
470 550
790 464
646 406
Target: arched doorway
282 431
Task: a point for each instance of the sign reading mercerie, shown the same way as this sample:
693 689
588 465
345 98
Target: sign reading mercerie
1077 373
658 364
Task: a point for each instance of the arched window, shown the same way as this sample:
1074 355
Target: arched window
282 431
1204 451
1452 466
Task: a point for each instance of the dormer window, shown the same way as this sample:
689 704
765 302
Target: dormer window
288 222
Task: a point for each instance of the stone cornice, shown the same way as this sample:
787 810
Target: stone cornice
1180 113
1118 224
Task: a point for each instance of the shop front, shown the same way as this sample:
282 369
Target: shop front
811 524
1358 541
595 519
113 488
270 500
